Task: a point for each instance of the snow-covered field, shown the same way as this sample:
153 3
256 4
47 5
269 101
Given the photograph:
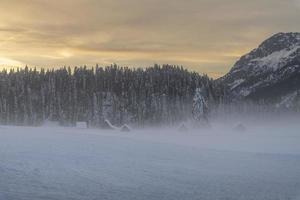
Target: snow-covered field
69 163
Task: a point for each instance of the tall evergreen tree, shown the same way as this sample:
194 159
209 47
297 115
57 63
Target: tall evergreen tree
200 109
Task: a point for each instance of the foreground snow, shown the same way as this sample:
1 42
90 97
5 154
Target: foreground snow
68 163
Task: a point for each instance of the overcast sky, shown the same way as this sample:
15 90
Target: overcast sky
203 35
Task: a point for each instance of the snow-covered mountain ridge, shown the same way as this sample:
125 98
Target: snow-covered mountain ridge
268 72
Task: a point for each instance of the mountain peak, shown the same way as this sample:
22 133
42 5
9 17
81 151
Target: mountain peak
279 42
274 64
270 54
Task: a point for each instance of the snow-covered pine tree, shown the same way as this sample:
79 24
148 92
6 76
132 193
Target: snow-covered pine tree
200 109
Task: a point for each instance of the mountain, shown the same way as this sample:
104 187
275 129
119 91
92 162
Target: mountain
270 72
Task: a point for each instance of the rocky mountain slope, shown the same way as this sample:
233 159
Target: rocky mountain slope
270 72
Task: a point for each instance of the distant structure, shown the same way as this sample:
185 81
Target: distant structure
240 128
183 128
50 123
125 128
81 125
107 125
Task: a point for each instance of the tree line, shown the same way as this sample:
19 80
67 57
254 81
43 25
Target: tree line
158 95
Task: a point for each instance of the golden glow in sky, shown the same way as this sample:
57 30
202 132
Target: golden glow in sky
204 35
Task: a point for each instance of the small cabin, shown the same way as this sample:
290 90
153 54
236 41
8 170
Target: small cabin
125 128
240 128
81 125
50 123
183 128
107 125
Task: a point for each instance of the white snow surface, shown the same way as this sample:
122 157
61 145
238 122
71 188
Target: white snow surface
236 83
68 163
276 59
287 101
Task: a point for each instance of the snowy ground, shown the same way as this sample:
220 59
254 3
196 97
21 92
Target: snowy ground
69 163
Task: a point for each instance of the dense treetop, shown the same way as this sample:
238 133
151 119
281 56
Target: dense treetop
152 96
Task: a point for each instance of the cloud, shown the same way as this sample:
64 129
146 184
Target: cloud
205 35
11 30
9 62
297 2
